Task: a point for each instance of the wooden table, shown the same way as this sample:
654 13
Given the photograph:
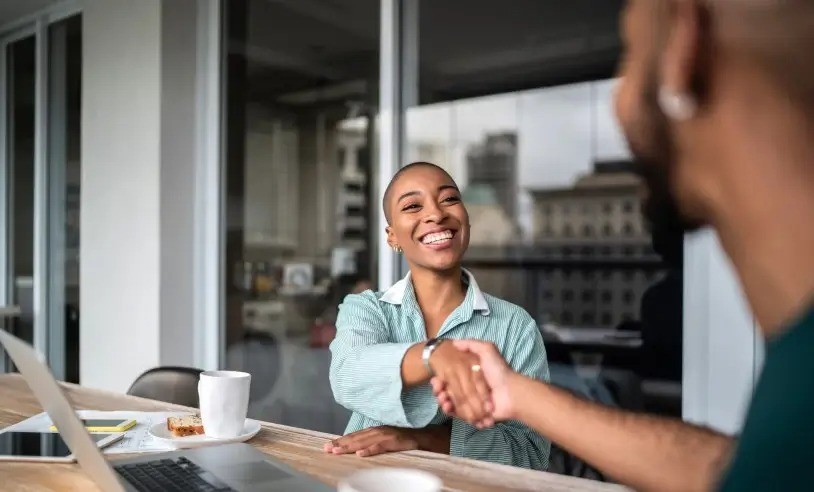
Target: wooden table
299 448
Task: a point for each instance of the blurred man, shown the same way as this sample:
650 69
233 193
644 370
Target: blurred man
717 102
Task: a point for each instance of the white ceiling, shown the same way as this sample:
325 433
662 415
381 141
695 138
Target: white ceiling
12 10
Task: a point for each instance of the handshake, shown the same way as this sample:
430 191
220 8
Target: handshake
472 382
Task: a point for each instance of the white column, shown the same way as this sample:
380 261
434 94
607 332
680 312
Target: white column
144 174
120 192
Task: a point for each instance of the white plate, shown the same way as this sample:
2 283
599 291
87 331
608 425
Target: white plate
161 434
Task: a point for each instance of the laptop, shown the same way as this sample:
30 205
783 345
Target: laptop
228 467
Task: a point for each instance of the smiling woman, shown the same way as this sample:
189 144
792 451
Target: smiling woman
389 344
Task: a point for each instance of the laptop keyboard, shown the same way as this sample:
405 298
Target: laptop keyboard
179 475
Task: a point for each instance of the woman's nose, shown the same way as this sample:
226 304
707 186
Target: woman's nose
434 214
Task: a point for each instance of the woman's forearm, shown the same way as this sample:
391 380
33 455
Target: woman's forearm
434 438
413 372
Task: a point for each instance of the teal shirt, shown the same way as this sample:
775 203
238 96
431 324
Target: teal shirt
775 450
374 331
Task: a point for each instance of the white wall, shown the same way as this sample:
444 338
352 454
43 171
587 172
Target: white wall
720 341
138 189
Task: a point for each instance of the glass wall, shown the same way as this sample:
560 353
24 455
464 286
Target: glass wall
302 91
64 169
516 103
42 169
19 160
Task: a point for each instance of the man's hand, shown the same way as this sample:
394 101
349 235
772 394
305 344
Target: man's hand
498 376
465 385
387 439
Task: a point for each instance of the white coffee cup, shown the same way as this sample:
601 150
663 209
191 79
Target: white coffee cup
390 480
224 400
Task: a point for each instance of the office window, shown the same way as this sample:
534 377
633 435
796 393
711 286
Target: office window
527 129
302 81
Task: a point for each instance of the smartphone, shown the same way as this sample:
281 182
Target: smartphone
43 446
106 425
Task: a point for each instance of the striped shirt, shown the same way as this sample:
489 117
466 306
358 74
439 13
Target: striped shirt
374 331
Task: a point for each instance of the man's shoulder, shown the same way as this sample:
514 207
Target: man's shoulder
779 420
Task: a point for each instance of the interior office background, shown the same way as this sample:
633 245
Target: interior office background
198 183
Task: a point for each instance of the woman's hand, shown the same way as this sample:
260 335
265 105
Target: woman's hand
498 375
387 439
465 385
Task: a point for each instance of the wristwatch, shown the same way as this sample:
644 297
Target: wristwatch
429 348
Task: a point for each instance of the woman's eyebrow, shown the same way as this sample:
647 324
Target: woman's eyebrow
408 194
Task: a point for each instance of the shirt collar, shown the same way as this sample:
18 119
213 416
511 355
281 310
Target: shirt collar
395 294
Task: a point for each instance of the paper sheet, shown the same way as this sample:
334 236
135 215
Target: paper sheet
137 439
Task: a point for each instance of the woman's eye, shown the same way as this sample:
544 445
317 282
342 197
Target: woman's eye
452 199
411 206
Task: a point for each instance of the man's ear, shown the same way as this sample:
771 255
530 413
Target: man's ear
681 57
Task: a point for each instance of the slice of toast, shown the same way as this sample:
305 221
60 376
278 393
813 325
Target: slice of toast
188 425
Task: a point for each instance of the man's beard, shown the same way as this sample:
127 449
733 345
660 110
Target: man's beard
654 159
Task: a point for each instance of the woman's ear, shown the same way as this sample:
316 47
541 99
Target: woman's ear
391 236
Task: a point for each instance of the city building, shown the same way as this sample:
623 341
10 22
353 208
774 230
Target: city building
597 229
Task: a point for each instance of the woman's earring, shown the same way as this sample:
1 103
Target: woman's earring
396 248
678 106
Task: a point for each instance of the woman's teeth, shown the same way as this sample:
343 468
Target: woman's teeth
437 237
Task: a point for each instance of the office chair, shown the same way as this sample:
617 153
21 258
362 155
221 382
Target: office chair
177 385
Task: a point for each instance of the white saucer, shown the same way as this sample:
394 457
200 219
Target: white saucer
161 434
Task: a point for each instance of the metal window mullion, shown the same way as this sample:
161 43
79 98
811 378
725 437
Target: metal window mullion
41 266
5 236
57 164
390 126
209 312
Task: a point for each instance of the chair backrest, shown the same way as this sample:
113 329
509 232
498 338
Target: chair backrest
177 385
